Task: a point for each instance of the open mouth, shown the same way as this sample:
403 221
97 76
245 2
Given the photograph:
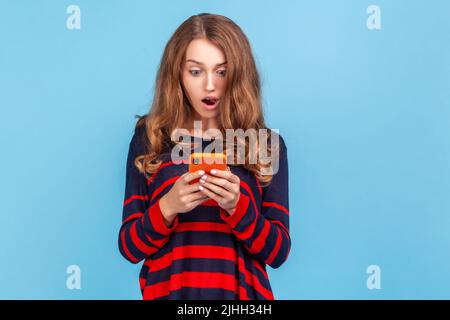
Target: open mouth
210 103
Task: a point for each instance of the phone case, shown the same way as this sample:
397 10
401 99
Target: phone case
206 162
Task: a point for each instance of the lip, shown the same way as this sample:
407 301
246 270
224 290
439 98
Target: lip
212 106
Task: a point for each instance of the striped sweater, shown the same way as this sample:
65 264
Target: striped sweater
205 253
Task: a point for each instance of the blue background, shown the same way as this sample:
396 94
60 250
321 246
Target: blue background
365 115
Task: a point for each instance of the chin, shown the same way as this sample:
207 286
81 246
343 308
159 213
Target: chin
208 114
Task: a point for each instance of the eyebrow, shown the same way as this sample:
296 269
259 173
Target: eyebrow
197 62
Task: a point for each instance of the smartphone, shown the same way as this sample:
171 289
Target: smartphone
206 162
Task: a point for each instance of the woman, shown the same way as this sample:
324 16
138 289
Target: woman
211 239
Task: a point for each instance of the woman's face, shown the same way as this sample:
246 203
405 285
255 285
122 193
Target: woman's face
204 76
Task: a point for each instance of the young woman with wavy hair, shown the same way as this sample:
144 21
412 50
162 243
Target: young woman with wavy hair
211 239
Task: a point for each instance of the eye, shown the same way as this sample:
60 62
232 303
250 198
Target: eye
222 73
194 72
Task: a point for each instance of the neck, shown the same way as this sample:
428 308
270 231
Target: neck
206 123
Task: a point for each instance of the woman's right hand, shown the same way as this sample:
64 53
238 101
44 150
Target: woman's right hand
182 197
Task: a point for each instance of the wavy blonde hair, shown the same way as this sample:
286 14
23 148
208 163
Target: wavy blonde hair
241 105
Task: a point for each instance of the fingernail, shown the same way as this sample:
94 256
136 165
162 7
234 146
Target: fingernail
201 172
213 171
200 187
202 181
204 177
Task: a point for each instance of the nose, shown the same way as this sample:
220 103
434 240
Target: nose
210 82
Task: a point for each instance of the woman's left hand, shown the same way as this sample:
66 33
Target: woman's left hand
223 187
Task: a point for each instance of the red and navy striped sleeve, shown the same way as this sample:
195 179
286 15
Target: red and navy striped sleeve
143 231
264 230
